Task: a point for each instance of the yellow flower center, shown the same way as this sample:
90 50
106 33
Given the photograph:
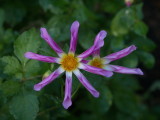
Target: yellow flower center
69 62
96 62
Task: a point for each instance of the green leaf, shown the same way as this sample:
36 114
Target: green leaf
147 59
10 87
105 101
122 22
49 5
32 67
27 41
1 17
144 43
140 28
24 106
130 61
12 65
59 28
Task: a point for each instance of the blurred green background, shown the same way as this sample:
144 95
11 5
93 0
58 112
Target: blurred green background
123 97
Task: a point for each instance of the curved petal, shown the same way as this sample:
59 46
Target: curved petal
98 43
120 69
68 90
96 70
120 54
48 79
86 83
74 35
50 41
85 61
31 55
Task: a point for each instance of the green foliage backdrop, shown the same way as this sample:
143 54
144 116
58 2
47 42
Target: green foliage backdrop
20 22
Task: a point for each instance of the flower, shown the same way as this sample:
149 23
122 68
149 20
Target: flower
70 63
129 2
104 62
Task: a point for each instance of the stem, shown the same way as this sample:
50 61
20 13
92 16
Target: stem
76 90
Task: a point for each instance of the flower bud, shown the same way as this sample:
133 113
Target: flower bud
129 2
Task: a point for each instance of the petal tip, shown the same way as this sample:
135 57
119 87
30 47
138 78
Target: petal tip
67 104
133 47
37 87
75 25
96 94
139 71
109 75
27 54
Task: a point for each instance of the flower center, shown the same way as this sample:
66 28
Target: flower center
69 62
96 62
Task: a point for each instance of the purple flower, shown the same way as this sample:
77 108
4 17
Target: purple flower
104 62
129 2
70 63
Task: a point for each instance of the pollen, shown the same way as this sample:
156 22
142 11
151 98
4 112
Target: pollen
69 62
96 62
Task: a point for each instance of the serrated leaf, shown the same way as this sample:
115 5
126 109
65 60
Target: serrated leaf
10 87
32 67
27 41
24 106
12 65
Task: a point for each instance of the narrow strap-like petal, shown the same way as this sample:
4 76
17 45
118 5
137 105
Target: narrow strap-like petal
86 83
124 70
120 54
31 55
96 53
74 36
96 70
50 41
98 43
48 79
85 61
68 90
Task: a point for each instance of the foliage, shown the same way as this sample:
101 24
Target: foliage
19 30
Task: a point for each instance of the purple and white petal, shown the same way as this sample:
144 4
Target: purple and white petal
85 61
124 70
31 55
68 90
96 70
98 43
120 54
50 41
99 40
74 36
86 83
96 53
48 79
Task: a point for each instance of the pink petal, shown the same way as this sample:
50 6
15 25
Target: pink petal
31 55
96 70
85 61
68 90
48 79
74 35
50 41
120 69
98 43
120 54
86 83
